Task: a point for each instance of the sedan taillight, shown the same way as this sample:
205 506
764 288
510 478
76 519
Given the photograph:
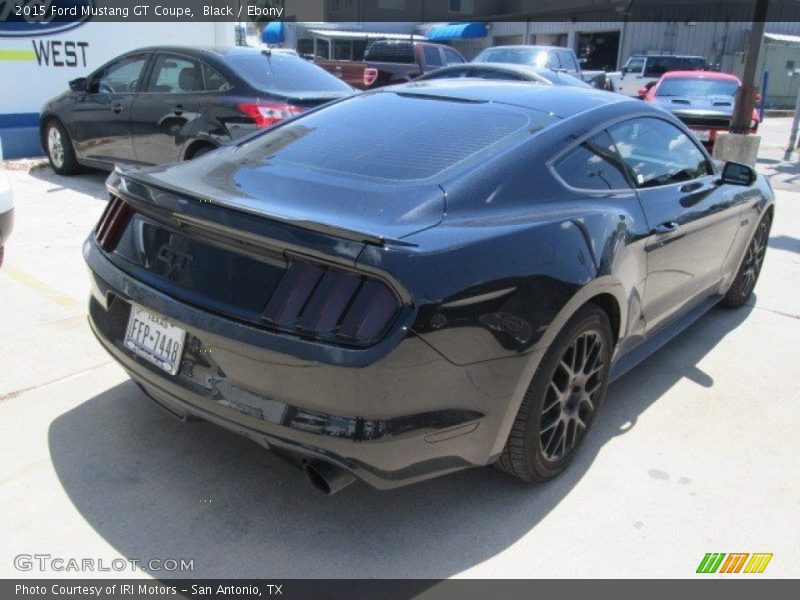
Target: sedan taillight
112 223
331 304
265 114
370 75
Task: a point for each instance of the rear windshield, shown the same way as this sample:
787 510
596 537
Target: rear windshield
517 56
697 87
284 73
394 137
395 52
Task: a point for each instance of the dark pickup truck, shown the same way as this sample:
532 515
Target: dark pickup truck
392 61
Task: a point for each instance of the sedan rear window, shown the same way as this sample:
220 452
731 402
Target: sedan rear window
284 73
696 87
396 137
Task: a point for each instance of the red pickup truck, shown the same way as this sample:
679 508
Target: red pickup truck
392 61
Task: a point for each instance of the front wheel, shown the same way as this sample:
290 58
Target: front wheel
60 152
563 399
746 277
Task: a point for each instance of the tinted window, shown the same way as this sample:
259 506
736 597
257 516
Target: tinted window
658 153
175 74
121 77
390 52
214 81
693 64
393 146
452 57
658 65
594 165
284 73
432 56
697 87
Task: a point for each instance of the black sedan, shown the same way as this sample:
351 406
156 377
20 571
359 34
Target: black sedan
504 72
422 278
164 104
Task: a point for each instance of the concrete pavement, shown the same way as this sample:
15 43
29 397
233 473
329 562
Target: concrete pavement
694 452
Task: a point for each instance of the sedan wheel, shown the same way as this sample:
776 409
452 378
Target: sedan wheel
563 399
59 149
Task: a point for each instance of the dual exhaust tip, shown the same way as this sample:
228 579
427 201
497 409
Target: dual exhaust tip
326 477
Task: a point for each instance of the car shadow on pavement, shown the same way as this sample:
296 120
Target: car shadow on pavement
91 182
156 488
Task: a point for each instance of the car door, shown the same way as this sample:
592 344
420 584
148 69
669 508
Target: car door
631 78
101 117
692 219
432 57
163 118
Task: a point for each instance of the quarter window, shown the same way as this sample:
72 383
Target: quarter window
658 153
213 80
594 165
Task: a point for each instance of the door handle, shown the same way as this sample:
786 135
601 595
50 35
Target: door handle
178 109
692 187
667 227
118 108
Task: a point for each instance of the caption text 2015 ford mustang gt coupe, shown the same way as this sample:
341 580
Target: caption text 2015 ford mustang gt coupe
422 278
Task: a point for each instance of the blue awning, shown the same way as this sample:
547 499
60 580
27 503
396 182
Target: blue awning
273 33
457 31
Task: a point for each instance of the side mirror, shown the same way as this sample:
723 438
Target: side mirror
78 85
738 174
582 61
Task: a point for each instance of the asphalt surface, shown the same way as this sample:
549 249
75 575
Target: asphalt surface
695 450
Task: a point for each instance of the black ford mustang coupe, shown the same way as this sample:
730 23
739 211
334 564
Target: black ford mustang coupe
422 278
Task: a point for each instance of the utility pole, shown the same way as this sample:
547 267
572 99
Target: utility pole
746 98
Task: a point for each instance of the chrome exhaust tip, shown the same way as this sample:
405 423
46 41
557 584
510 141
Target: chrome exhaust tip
327 478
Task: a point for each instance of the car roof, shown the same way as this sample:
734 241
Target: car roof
700 75
561 101
201 50
527 47
666 55
493 66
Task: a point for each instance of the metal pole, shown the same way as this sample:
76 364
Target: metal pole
762 106
745 100
796 121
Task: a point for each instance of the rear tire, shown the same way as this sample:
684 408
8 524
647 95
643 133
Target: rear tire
743 285
59 149
562 400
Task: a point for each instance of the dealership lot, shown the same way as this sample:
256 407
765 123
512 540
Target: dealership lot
693 452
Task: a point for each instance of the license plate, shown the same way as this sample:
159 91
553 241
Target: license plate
703 135
155 339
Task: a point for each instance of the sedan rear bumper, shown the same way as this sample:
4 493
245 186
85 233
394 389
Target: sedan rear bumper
408 416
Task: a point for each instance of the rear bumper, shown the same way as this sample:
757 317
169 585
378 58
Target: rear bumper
407 416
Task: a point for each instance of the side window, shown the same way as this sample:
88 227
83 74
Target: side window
175 75
568 60
552 61
432 56
452 57
658 65
658 153
594 165
214 82
121 77
634 65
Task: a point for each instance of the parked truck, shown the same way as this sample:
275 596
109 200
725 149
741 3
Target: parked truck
392 61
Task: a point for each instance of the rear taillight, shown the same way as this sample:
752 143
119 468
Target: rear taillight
265 114
370 75
331 304
112 223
